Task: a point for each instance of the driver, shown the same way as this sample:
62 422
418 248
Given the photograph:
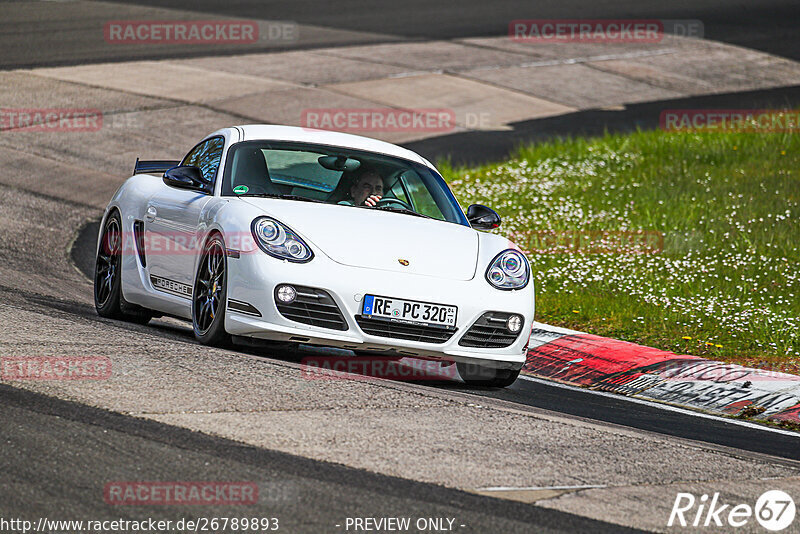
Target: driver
366 191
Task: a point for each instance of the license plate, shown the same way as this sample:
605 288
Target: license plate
410 311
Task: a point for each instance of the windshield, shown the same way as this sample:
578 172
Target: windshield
341 176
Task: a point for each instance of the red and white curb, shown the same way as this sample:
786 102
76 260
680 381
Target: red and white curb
604 364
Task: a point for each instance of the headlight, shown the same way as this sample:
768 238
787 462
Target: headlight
277 239
509 270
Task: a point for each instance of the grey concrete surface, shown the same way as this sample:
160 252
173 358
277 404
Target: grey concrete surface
489 83
165 80
734 68
581 51
476 106
287 107
431 55
21 89
317 67
624 505
578 86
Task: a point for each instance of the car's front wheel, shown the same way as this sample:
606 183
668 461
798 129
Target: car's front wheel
481 375
210 294
108 299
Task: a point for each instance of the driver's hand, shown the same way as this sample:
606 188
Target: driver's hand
372 201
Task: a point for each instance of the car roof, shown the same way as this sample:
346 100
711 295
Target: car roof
253 132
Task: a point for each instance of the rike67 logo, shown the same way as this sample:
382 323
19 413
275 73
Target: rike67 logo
774 510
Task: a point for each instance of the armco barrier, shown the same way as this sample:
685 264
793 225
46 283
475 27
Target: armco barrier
607 364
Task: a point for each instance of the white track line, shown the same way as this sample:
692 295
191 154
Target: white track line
666 407
538 488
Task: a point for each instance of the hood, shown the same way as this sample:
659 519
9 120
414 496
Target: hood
375 239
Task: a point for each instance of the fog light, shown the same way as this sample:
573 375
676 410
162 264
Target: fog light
286 294
514 324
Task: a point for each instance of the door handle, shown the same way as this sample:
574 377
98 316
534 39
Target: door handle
150 214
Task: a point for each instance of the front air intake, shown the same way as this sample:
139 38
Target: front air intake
311 306
489 332
410 332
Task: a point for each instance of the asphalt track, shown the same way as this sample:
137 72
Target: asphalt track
46 439
73 34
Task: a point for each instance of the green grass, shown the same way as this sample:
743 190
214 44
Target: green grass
726 205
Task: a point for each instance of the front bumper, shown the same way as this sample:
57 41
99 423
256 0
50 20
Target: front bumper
252 279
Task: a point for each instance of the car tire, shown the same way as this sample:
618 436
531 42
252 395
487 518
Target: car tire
210 295
108 299
480 375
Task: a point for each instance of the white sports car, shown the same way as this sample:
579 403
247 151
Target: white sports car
308 236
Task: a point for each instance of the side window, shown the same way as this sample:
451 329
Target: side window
206 156
398 192
421 196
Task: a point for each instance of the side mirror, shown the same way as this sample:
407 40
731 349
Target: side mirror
188 177
482 218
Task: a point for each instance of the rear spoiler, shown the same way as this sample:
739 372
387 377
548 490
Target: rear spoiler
154 166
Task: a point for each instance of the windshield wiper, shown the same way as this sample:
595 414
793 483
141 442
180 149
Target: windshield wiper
286 197
402 210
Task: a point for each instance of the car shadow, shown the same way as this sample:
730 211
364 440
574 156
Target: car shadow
318 362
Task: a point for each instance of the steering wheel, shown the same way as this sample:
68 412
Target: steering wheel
387 201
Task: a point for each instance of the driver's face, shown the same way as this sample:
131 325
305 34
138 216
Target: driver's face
367 185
